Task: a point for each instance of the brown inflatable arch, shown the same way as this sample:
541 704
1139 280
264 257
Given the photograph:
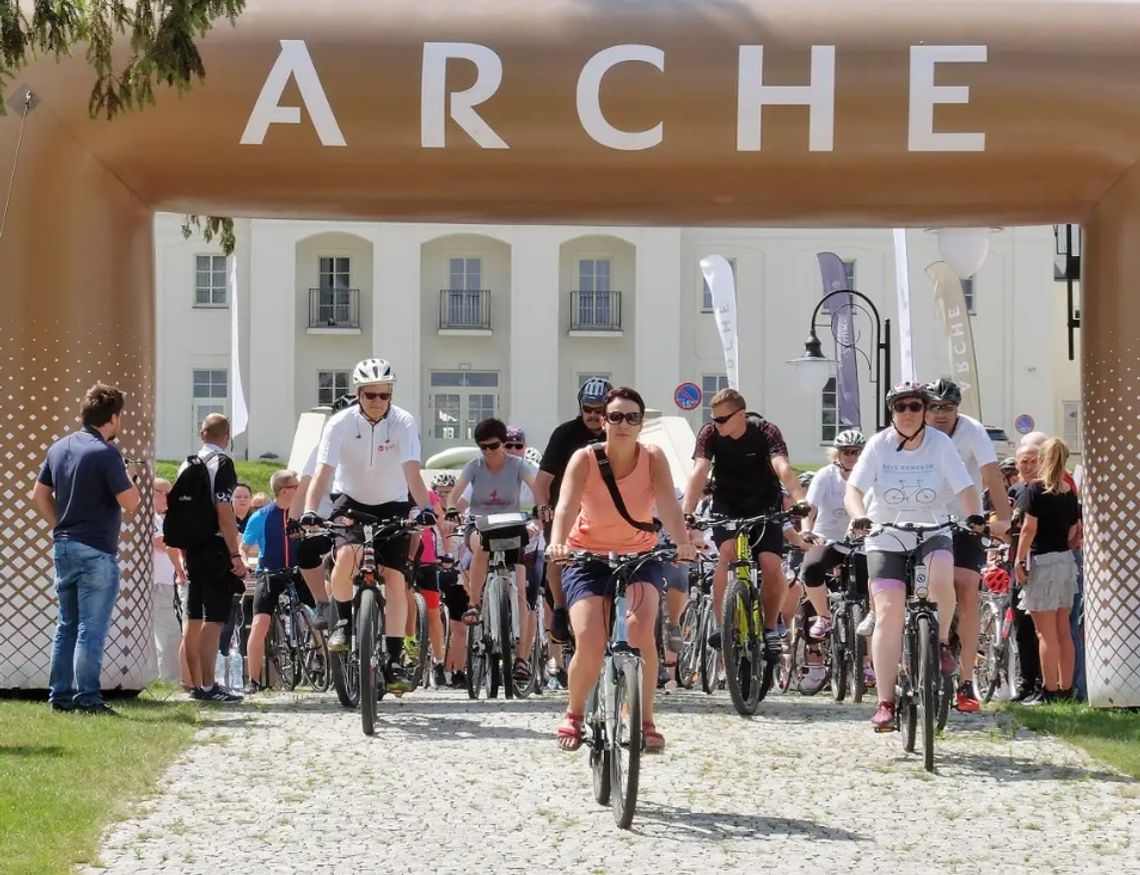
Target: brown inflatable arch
650 112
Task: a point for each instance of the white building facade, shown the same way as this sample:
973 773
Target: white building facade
508 320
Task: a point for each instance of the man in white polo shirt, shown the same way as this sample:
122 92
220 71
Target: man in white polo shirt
371 453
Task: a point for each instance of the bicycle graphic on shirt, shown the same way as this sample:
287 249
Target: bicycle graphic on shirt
910 494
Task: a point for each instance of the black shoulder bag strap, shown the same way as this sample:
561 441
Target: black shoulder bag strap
615 493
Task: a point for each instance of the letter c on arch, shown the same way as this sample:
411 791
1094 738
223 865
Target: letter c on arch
589 101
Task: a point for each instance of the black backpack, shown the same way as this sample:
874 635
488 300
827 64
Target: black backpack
191 519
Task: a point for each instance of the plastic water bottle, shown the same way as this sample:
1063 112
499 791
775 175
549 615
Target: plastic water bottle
234 670
220 670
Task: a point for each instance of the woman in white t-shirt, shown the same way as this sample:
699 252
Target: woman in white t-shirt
911 473
828 522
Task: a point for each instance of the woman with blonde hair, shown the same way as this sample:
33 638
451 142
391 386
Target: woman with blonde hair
1046 567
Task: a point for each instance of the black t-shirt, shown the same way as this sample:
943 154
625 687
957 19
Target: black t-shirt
564 441
1056 513
743 476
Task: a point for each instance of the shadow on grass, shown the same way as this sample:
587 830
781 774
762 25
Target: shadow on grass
32 750
1110 735
667 822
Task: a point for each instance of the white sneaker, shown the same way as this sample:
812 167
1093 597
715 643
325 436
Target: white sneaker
867 627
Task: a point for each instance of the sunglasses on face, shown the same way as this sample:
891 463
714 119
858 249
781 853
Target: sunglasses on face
908 407
942 408
593 411
491 447
634 418
850 451
515 446
377 396
721 420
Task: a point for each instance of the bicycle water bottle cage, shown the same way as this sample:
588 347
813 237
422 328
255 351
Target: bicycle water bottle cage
500 532
737 564
921 584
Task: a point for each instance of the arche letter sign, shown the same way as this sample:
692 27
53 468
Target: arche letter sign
691 112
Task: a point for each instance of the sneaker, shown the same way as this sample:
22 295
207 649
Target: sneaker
866 627
868 676
218 694
397 679
821 628
966 701
884 717
714 639
254 687
562 679
459 679
946 660
560 626
338 640
197 694
321 616
437 679
100 710
773 647
58 708
674 640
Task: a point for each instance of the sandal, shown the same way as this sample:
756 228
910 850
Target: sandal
471 616
522 670
570 732
652 740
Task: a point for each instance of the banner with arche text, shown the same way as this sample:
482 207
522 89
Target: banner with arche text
951 301
718 274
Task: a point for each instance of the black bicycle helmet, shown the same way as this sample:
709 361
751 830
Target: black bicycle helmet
944 391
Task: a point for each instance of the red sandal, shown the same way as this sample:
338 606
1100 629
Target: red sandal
653 740
570 732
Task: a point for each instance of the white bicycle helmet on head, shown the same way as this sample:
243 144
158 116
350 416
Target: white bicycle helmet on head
372 371
852 437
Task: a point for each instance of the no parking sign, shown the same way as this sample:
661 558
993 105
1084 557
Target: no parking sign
688 396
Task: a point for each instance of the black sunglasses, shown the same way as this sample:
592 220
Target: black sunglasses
850 451
942 408
721 420
377 396
633 418
908 407
597 411
515 446
491 447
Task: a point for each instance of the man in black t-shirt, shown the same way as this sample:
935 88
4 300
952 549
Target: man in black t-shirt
749 462
564 441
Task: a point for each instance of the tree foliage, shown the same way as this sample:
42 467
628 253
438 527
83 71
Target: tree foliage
163 50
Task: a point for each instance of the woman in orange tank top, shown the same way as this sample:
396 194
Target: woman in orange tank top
587 519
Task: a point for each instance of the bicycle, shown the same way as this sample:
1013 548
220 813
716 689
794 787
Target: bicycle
749 668
614 706
694 623
418 650
491 642
848 649
295 651
538 657
997 659
355 671
919 678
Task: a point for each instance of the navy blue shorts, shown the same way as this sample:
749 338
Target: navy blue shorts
596 578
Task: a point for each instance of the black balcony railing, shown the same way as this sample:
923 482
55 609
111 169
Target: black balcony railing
465 309
595 311
334 308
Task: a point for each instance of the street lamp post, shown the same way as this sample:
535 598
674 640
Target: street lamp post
813 361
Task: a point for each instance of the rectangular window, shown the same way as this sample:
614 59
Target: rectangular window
331 385
335 307
594 275
465 378
706 292
710 385
829 413
334 272
210 281
210 383
968 294
466 274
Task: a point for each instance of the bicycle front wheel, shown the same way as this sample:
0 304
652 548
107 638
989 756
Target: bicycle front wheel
709 655
600 768
506 640
928 686
857 649
366 643
476 667
743 648
625 746
422 654
313 654
987 664
688 658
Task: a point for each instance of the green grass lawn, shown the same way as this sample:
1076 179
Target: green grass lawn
1112 736
256 474
63 777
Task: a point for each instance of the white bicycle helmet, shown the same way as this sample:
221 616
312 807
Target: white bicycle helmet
594 390
371 372
852 437
533 455
443 478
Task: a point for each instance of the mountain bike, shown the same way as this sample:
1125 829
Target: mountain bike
295 652
614 706
491 642
538 656
848 649
695 621
996 664
417 649
361 673
749 668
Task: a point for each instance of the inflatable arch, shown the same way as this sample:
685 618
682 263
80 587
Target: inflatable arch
650 112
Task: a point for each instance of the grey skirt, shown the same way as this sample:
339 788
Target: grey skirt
1052 582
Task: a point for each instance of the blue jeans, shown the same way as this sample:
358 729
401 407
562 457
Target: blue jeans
86 583
1077 621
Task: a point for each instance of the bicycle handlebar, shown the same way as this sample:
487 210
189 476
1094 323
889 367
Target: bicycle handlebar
710 520
620 561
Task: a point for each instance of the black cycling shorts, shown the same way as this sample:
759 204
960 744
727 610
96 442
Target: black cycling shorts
763 539
454 594
968 551
212 583
271 585
393 553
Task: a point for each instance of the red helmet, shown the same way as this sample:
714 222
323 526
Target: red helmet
996 579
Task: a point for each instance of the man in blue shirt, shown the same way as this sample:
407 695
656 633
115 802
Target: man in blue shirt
267 529
81 491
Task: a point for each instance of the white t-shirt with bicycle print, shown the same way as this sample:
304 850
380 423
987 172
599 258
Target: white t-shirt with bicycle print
825 493
908 486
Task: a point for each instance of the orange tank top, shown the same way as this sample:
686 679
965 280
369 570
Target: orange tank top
599 527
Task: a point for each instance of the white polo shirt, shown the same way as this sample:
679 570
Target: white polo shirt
976 449
369 457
